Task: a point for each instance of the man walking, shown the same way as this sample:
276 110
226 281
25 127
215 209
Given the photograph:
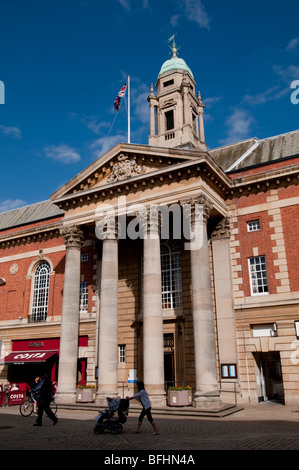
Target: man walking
44 402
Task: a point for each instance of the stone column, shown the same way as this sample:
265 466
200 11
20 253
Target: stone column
108 321
201 124
153 352
207 393
223 287
68 354
152 103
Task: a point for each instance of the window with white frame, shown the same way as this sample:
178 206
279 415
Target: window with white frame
121 353
253 225
258 275
40 295
84 257
171 273
83 296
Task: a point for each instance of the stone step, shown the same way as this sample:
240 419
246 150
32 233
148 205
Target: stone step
182 411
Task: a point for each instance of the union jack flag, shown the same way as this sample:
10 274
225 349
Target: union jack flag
120 95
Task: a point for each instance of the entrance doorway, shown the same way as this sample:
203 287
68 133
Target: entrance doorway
269 376
169 369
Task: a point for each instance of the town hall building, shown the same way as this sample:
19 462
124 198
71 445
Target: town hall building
167 262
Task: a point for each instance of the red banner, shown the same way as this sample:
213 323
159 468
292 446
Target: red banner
16 397
2 398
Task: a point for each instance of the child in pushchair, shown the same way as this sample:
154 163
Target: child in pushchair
106 419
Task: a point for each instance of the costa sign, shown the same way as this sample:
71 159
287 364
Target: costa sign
28 356
16 398
21 357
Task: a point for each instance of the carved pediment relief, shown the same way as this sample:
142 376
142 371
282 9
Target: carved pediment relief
124 168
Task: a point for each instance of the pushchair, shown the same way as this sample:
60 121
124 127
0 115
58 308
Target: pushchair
107 419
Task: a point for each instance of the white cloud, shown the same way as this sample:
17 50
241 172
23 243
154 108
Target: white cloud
103 144
271 94
127 4
238 126
94 124
10 204
62 153
287 73
292 44
195 11
139 104
174 20
13 132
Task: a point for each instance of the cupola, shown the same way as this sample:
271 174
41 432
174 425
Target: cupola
176 114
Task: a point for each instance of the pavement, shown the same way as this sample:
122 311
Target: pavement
266 426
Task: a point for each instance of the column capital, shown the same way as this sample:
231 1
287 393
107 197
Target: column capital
193 204
73 236
222 230
150 221
107 228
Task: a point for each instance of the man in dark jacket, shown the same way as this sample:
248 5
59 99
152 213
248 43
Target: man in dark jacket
44 402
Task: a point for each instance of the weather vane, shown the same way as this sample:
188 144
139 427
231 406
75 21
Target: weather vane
173 47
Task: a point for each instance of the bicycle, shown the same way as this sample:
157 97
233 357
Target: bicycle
26 408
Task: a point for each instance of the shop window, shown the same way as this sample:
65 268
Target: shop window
83 296
171 274
258 275
40 297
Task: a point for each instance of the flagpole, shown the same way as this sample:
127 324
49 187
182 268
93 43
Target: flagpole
129 130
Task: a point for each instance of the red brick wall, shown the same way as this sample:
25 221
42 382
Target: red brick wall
15 295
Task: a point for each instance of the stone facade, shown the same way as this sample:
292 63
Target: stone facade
186 261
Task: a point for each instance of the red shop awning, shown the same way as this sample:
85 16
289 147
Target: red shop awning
24 357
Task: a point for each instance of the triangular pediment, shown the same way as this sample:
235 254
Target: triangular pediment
123 163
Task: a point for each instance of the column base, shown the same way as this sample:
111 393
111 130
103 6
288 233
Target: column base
208 401
65 398
101 399
158 400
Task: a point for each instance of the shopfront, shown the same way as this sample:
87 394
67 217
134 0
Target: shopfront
30 358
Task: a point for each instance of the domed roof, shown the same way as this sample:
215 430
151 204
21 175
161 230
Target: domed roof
175 63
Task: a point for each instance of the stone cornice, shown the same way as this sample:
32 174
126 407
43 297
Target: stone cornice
30 235
263 181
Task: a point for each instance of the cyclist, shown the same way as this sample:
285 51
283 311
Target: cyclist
35 392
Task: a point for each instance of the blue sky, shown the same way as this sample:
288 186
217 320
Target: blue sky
63 62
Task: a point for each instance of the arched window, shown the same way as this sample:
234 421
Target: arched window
171 273
40 292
